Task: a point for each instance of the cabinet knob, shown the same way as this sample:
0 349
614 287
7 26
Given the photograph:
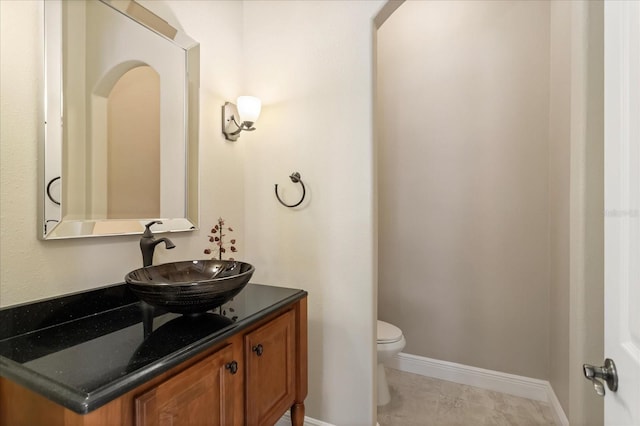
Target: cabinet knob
232 367
258 349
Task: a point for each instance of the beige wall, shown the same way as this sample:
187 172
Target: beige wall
575 195
31 269
586 294
133 145
311 63
559 220
463 162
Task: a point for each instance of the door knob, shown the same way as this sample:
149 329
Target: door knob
608 373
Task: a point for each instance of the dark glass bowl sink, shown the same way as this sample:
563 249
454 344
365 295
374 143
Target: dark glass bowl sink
192 286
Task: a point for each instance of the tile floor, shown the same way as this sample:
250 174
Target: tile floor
420 401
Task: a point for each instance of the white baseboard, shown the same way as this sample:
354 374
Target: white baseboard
526 387
561 417
308 421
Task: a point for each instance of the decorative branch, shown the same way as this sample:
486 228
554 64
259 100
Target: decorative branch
217 237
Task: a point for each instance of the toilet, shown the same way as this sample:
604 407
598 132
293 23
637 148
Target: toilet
390 343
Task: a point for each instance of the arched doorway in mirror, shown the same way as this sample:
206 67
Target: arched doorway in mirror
133 145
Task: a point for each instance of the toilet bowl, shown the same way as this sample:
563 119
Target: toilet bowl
390 343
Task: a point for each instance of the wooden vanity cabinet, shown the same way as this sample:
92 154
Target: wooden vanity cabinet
270 370
251 378
201 395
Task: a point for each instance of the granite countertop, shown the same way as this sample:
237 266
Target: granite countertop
86 349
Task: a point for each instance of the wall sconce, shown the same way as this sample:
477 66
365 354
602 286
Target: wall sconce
247 112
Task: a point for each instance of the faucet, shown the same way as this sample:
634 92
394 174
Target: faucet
148 244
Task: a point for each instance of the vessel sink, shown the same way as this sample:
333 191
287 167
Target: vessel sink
192 286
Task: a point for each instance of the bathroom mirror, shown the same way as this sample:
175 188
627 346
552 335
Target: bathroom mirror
120 136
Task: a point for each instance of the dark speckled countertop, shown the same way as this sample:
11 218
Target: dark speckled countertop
86 349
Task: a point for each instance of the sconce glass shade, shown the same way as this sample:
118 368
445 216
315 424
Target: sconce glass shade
240 117
249 108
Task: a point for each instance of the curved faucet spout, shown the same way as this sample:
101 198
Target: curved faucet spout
167 242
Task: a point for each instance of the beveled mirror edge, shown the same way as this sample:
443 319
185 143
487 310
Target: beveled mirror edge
191 111
69 229
52 46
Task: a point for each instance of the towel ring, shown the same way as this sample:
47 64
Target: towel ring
49 190
295 178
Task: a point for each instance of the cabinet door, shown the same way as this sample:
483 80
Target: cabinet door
270 369
203 395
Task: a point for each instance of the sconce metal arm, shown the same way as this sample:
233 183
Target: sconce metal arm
295 178
230 126
246 126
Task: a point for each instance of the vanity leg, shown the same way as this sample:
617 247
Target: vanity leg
297 409
297 414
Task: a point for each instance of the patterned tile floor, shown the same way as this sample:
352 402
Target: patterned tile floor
420 401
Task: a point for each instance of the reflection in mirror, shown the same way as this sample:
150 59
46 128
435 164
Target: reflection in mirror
121 121
133 146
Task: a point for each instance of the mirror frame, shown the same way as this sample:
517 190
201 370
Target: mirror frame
55 226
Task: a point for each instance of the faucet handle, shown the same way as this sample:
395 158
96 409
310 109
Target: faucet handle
147 231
